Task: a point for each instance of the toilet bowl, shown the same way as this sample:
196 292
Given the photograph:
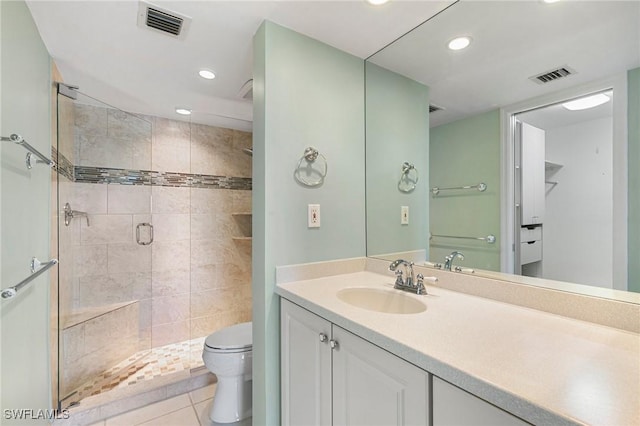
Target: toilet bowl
227 354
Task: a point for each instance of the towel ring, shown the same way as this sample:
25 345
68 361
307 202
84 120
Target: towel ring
310 156
410 184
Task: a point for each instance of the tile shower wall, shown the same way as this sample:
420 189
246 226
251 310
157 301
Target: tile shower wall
196 276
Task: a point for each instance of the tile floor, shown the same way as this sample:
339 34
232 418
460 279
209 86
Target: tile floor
189 409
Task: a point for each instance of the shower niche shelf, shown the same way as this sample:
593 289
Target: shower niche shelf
243 220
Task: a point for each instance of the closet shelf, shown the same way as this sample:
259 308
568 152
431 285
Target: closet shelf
551 167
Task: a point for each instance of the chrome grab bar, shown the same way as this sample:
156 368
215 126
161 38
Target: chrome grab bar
490 239
481 187
69 214
15 138
10 292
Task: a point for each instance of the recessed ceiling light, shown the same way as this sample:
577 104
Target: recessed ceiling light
459 43
586 102
183 111
550 1
207 74
377 2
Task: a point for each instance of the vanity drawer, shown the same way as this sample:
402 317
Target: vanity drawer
530 252
530 234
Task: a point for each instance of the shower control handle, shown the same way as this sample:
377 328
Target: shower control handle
144 243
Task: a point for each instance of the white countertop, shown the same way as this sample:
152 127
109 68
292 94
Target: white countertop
544 368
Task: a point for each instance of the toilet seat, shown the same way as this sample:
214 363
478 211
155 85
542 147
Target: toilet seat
237 338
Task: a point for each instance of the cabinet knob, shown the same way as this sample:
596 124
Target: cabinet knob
333 344
323 337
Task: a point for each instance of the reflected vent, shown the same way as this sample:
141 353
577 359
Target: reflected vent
163 20
246 91
434 108
553 75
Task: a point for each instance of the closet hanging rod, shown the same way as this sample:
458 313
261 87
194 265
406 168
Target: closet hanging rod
17 139
10 292
481 187
489 238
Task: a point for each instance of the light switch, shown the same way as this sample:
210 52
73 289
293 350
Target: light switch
314 216
404 215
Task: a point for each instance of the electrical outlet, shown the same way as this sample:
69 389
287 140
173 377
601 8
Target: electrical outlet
404 215
314 216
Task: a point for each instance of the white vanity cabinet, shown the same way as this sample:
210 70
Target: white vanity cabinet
453 406
331 376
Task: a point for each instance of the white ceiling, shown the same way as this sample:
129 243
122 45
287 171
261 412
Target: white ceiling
554 116
512 41
98 46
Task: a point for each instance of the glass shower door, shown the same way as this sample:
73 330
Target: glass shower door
105 237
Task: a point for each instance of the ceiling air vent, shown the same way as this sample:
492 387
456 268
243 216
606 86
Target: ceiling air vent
434 108
163 20
553 75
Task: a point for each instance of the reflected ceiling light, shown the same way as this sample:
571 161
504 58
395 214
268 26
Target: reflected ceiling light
586 102
377 2
207 74
459 43
183 111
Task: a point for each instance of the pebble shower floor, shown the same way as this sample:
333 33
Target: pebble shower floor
145 365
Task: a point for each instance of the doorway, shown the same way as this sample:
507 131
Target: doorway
580 174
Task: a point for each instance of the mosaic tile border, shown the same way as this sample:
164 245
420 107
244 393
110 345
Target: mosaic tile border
62 164
155 178
144 177
107 175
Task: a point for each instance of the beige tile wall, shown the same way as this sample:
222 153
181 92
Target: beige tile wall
195 278
94 346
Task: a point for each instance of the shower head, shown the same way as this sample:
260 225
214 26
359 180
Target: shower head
248 151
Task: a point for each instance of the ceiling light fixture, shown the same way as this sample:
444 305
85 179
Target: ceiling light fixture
550 1
586 102
377 2
183 111
459 43
207 74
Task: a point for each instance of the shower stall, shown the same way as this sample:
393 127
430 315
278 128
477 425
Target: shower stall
153 240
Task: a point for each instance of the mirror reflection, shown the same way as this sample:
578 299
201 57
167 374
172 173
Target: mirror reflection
521 139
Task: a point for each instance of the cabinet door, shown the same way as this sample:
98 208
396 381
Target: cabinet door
373 387
454 407
305 359
532 165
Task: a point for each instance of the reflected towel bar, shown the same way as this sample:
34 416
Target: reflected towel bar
481 187
17 139
490 239
10 292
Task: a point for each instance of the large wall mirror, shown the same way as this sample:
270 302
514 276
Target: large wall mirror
515 151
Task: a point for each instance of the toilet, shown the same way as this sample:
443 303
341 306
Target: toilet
227 354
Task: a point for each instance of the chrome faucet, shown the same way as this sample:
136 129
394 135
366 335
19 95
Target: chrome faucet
448 260
408 284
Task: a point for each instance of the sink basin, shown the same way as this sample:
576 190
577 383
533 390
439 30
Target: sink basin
379 300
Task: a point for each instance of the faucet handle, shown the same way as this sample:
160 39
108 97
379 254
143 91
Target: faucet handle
399 280
420 288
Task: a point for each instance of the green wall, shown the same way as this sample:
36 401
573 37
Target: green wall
466 152
306 93
634 179
397 123
25 219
